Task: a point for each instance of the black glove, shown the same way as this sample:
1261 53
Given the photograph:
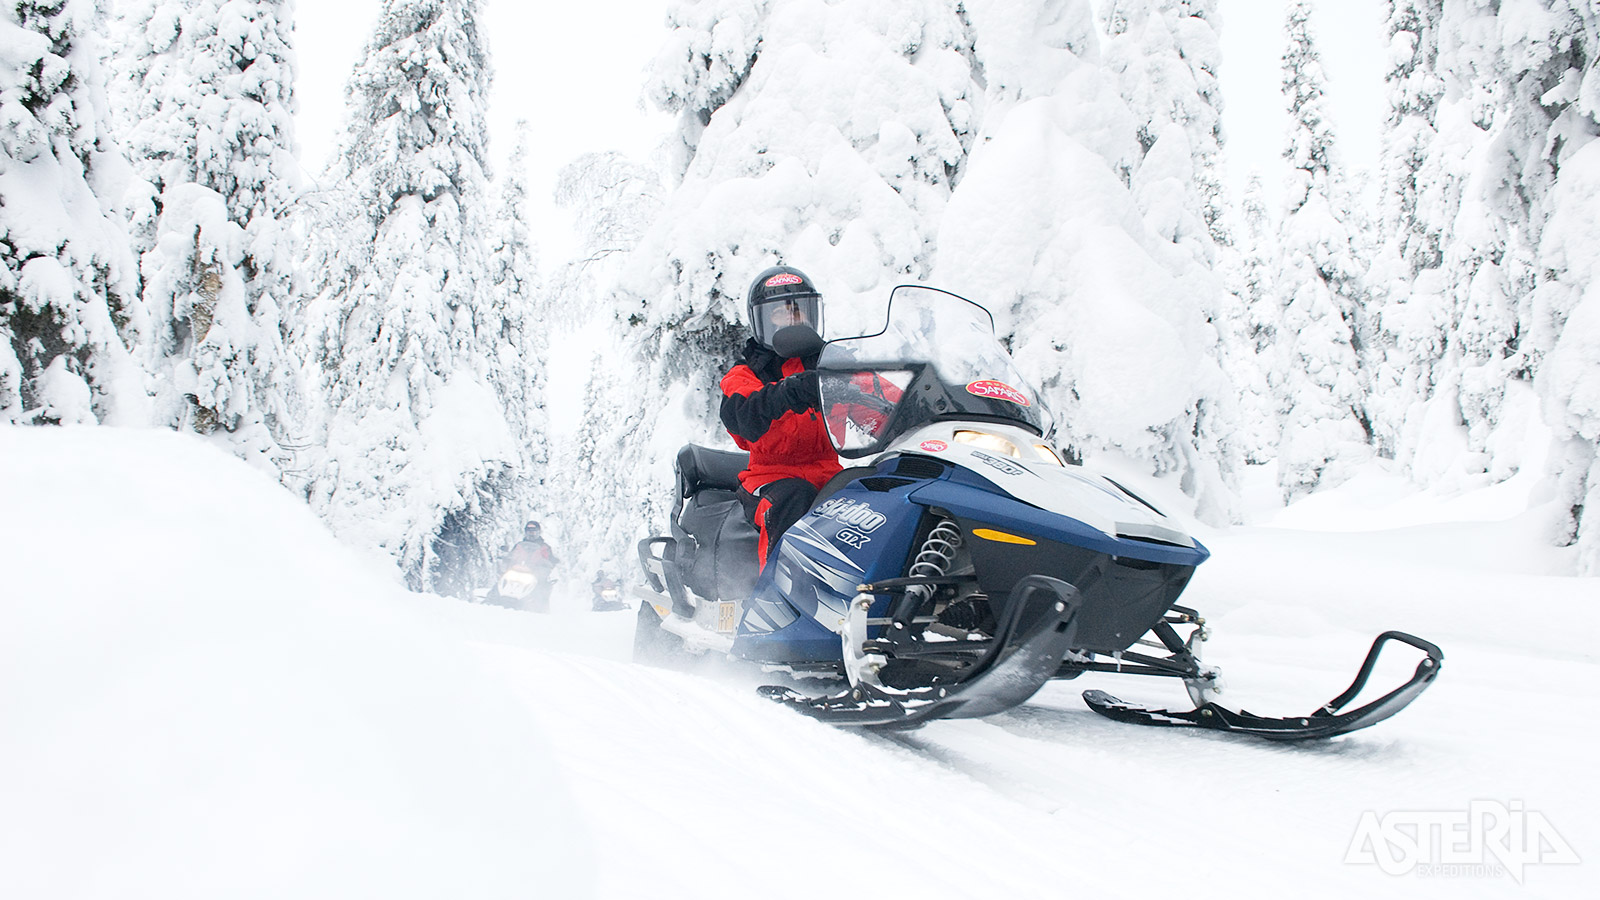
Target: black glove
800 391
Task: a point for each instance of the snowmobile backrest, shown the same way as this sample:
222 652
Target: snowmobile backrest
716 544
702 467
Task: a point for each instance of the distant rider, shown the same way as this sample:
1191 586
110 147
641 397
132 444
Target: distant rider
602 584
531 553
769 406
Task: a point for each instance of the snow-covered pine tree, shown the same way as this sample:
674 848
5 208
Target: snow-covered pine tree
1321 398
207 111
69 309
420 448
822 136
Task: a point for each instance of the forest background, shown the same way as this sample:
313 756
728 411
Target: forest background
381 333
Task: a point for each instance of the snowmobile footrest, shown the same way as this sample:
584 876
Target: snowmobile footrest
1326 722
1040 624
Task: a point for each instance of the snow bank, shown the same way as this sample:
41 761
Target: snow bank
204 696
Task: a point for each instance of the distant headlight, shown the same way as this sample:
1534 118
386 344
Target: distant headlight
991 442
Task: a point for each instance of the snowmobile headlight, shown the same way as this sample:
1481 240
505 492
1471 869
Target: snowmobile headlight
994 443
1048 455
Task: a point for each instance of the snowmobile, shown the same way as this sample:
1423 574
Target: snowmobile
520 587
960 565
608 599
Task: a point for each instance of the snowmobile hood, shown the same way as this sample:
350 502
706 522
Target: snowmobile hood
1071 491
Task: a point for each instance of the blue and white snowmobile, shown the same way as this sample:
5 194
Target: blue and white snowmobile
962 565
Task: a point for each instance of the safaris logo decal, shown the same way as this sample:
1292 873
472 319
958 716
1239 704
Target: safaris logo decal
998 390
783 279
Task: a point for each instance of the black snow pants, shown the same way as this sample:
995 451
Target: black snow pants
774 507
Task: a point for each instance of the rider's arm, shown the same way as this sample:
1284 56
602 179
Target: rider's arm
750 405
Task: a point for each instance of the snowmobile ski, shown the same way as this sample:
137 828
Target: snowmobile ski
1325 722
1039 626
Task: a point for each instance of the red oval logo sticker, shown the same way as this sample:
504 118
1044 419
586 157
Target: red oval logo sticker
784 278
934 446
998 390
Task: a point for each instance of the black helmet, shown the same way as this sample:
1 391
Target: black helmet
531 528
782 296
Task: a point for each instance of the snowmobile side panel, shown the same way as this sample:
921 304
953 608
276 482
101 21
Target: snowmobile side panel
863 531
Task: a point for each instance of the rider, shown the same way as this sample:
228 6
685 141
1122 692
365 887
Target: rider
531 553
769 406
601 584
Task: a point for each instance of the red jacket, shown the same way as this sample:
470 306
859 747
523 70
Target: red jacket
783 442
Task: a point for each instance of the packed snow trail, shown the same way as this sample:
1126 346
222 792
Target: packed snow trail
205 695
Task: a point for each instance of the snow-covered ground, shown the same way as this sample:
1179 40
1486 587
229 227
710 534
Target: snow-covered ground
203 695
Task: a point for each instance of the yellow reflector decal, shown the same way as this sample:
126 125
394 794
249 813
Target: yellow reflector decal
989 534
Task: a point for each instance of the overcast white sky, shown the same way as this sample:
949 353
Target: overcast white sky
1351 35
574 70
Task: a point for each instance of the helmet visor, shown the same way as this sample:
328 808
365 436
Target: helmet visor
796 309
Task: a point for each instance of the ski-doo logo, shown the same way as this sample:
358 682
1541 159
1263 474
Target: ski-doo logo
998 463
783 279
933 446
998 390
859 520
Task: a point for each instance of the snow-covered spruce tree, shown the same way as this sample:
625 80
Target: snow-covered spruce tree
1559 53
1256 246
523 307
1421 189
207 110
415 353
1166 56
1495 113
1415 87
1321 398
69 311
1105 314
822 136
614 201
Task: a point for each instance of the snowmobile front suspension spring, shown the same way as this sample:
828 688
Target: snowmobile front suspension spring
932 561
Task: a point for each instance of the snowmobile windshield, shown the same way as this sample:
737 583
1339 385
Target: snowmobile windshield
936 358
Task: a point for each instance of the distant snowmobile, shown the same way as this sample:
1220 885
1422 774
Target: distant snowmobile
521 587
607 596
959 569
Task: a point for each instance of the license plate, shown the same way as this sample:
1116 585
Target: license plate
725 618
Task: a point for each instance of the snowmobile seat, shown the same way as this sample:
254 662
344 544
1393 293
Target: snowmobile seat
702 467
